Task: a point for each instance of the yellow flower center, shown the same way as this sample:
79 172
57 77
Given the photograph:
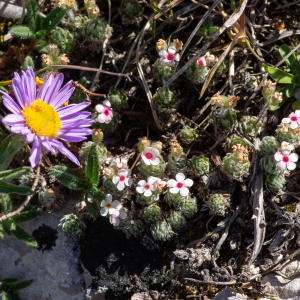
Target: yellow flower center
42 119
108 205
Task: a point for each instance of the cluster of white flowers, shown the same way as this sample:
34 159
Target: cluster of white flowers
114 209
155 184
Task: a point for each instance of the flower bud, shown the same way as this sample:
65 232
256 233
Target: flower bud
161 45
166 100
143 144
188 134
249 127
157 145
200 165
97 136
268 90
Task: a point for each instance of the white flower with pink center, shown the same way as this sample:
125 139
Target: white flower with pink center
201 62
169 57
293 119
122 179
180 185
286 147
109 206
159 184
286 160
118 214
146 187
150 156
105 111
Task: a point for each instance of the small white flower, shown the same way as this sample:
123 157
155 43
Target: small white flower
293 119
169 58
122 179
286 160
286 148
146 187
119 214
109 206
150 156
180 185
201 62
121 163
105 111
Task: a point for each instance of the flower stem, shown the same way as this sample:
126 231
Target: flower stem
262 113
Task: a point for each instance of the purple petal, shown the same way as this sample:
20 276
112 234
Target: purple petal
17 129
11 105
77 116
71 138
30 137
46 143
63 98
72 109
44 88
19 93
61 148
53 89
35 152
13 119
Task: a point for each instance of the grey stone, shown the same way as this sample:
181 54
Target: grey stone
229 294
10 11
55 272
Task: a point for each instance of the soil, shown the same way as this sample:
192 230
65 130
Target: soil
119 265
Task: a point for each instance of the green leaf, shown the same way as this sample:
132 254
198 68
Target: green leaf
11 188
38 23
53 19
91 207
285 50
93 166
21 285
25 216
9 147
96 194
42 46
20 234
280 76
40 34
296 105
295 68
10 296
12 174
6 227
287 92
1 232
207 23
69 177
22 31
32 13
6 203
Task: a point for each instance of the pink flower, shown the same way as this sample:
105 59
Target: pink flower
293 119
180 185
146 188
286 160
122 179
109 206
105 111
169 58
118 214
150 156
201 62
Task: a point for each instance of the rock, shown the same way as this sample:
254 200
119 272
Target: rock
284 287
141 296
229 294
53 265
11 11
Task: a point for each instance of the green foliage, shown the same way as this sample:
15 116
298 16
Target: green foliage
118 100
175 219
69 177
93 165
28 62
225 119
8 287
217 204
9 147
166 99
208 29
162 73
151 213
269 145
79 96
188 134
161 231
62 38
197 74
292 80
15 173
151 170
71 225
130 10
177 164
96 30
38 27
200 164
11 188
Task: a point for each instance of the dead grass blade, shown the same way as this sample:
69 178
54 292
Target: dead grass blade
216 66
233 18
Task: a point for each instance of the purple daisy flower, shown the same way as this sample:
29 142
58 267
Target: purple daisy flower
43 119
